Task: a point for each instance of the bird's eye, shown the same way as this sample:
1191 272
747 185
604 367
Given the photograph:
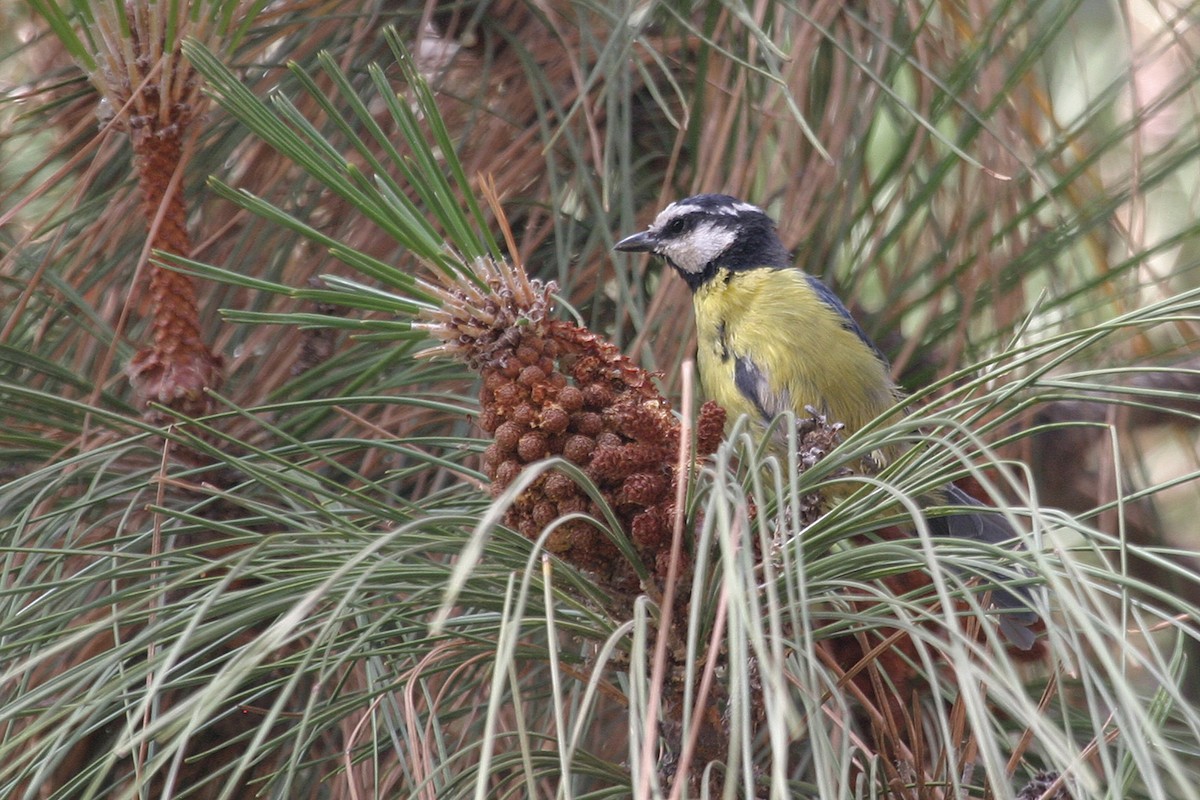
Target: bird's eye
675 227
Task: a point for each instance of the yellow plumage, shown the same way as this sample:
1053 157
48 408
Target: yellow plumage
772 339
798 343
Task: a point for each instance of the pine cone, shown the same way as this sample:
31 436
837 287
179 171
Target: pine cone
551 388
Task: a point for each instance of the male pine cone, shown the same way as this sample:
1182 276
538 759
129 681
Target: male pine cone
552 388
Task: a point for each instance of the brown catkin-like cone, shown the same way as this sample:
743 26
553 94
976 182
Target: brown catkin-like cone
177 366
552 388
158 94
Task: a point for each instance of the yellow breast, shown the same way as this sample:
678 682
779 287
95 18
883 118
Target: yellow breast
800 345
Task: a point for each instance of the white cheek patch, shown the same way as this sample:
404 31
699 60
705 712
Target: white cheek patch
705 242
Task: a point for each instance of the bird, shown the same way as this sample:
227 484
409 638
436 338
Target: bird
773 339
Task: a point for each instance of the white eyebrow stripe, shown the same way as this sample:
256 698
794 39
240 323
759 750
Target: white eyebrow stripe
680 209
675 210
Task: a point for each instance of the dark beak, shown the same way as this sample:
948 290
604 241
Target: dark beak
643 242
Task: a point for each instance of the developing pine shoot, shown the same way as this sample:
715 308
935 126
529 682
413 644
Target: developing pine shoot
154 95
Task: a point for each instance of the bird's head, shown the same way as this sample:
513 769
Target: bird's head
702 234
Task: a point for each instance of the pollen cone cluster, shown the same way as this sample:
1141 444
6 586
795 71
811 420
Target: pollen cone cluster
552 388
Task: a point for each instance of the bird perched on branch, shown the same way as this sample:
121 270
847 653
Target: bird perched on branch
773 339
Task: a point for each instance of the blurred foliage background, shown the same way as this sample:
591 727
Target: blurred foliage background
1005 193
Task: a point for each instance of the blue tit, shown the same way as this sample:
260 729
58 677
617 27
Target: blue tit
772 339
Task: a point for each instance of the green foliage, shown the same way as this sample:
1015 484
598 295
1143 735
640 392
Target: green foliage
310 594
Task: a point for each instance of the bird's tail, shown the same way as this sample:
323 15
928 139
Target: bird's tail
1015 605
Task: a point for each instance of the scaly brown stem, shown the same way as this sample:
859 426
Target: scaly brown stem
178 365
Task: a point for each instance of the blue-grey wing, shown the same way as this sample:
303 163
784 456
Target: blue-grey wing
751 380
1015 605
848 322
